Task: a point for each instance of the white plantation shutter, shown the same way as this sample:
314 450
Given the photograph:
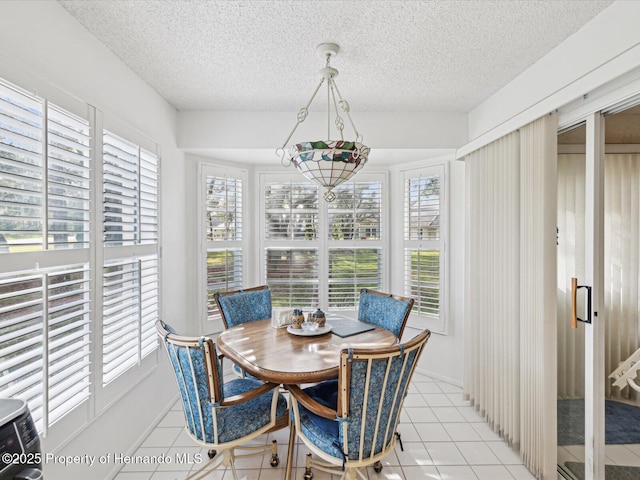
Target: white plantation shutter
306 238
224 273
130 310
46 182
149 168
356 213
354 219
224 262
27 311
351 270
291 211
68 339
149 304
21 168
68 170
120 324
292 276
423 240
121 164
131 285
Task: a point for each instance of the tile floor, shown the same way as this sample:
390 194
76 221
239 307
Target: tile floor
627 454
443 437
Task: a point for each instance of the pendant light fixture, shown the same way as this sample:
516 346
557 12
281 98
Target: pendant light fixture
327 162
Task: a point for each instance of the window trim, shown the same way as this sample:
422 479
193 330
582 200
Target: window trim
205 169
322 243
441 324
93 255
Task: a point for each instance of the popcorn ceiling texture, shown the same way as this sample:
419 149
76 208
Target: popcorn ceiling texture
395 55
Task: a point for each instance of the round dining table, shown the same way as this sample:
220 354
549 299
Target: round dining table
275 355
278 356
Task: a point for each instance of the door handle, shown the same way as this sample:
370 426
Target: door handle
574 303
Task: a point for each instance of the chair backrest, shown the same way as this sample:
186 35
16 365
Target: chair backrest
384 310
242 306
372 385
197 370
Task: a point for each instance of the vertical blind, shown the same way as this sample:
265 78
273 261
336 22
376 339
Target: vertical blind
510 290
223 237
621 272
571 263
423 241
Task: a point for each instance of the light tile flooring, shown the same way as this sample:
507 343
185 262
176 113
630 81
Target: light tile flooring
628 454
443 437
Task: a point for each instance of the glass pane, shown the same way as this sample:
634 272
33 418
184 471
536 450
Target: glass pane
571 263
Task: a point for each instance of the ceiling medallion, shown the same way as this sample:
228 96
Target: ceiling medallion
327 162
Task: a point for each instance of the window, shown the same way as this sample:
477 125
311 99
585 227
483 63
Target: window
355 217
306 238
130 282
44 340
29 182
223 235
130 310
424 240
51 286
291 230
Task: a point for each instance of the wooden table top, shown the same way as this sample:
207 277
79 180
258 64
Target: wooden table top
274 355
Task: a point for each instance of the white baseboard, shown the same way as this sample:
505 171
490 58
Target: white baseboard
439 377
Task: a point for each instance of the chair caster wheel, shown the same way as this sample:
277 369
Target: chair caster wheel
275 461
212 453
377 467
308 475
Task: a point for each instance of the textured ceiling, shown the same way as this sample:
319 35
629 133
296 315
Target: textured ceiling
395 55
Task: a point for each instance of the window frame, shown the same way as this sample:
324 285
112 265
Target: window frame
323 243
439 324
93 255
206 169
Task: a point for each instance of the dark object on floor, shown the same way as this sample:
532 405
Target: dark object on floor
622 423
611 472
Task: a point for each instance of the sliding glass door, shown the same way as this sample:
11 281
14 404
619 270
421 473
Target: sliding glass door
581 327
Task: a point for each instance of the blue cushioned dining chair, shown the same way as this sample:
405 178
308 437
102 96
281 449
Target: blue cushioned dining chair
351 423
384 310
241 306
221 416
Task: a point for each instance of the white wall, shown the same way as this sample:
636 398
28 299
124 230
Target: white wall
604 49
47 51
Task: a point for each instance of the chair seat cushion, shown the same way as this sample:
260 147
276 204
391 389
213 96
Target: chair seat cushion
325 393
322 432
237 421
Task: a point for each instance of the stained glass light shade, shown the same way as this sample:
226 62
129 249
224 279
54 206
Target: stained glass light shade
329 162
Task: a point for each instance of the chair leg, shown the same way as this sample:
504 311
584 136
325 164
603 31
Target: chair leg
275 460
308 474
290 448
